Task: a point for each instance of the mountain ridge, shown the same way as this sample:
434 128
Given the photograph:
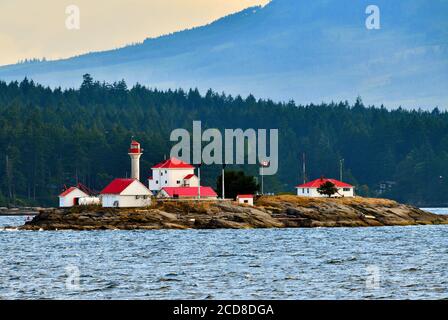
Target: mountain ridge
309 51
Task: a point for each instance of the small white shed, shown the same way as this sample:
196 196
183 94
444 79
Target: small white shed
247 199
71 197
125 193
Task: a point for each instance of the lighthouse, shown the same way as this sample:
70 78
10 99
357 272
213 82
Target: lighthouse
135 153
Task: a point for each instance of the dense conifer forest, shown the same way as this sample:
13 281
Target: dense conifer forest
54 137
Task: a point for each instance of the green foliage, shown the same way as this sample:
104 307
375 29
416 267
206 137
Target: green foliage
235 183
328 188
54 137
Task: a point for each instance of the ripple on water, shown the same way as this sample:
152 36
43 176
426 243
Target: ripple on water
226 264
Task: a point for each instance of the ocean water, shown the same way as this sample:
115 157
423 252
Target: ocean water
323 263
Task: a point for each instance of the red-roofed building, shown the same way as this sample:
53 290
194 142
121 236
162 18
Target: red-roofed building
245 199
190 180
70 197
173 163
125 193
309 189
187 193
172 173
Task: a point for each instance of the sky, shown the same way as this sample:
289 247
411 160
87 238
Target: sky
37 29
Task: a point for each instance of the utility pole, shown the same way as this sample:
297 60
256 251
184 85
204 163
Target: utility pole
199 181
341 167
304 167
223 173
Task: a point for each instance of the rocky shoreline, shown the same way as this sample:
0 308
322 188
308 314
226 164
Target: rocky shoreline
20 211
268 212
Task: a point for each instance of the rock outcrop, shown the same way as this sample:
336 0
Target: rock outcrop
269 212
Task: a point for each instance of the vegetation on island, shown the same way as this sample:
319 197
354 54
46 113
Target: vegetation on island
54 137
235 183
328 189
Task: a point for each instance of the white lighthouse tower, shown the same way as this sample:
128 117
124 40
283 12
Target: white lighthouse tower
135 152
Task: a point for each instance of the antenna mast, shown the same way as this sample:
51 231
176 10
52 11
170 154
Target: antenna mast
304 167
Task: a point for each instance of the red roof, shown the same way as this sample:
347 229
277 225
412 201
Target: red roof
318 182
117 186
188 177
173 163
68 191
242 196
189 191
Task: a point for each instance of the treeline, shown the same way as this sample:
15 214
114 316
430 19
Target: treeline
53 137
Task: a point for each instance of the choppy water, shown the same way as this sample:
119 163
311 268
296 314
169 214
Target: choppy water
325 263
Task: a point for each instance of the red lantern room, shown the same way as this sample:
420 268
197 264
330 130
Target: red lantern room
135 147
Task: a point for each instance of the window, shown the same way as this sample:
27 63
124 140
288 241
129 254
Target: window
166 182
246 201
161 174
346 189
303 190
157 181
308 190
178 182
166 172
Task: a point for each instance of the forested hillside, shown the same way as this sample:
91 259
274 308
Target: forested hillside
49 138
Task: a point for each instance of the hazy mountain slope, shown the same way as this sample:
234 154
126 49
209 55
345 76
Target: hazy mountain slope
308 50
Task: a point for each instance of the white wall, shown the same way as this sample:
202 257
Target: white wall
192 182
250 201
134 196
109 201
68 200
312 192
168 178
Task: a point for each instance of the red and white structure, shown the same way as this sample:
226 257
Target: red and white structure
174 178
77 196
135 152
207 193
125 193
309 189
247 199
172 173
71 197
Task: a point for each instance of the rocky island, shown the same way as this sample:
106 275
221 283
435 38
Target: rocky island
268 212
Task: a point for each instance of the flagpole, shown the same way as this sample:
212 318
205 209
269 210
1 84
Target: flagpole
223 172
262 186
199 182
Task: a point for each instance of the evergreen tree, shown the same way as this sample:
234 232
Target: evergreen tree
328 188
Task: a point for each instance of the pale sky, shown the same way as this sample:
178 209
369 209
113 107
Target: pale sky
36 29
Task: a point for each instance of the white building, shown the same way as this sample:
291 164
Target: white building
71 197
125 193
172 173
309 189
247 199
